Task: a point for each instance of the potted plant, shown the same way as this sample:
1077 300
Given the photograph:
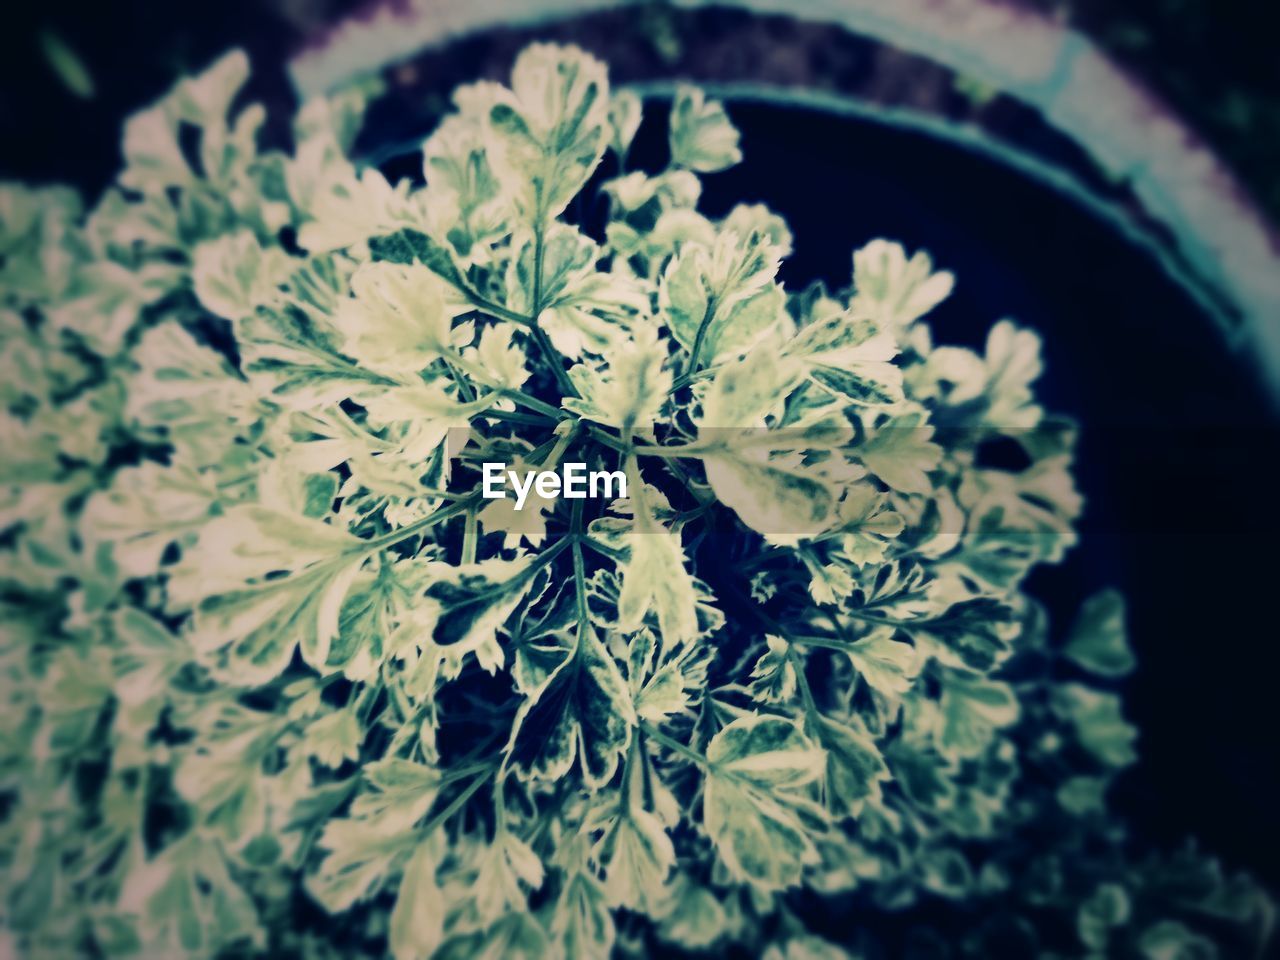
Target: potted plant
284 679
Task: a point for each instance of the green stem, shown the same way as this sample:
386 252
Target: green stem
533 403
675 745
579 564
669 453
513 416
480 375
604 549
691 376
404 533
470 536
829 643
549 352
554 359
488 306
812 715
459 801
696 353
466 389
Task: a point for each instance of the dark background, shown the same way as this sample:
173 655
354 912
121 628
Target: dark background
1180 447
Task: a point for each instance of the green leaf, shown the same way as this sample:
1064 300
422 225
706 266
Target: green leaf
721 299
868 525
296 358
417 919
366 847
1098 723
972 633
660 692
465 200
582 308
370 614
1172 940
758 472
1108 907
756 804
900 450
745 392
694 918
807 948
772 496
549 131
262 583
628 391
154 160
888 665
234 275
149 656
335 738
421 415
581 924
507 867
362 854
194 395
517 936
640 858
68 66
625 113
702 138
408 246
500 357
400 318
973 708
189 901
145 509
655 579
891 289
470 603
1097 641
855 769
581 709
222 775
773 679
848 358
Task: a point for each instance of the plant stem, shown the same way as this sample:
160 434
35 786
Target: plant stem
690 376
517 396
502 313
579 564
466 389
812 715
549 352
669 453
513 416
459 801
404 533
675 745
603 549
829 643
696 353
470 536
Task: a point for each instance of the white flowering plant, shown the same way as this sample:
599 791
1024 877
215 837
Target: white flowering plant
279 680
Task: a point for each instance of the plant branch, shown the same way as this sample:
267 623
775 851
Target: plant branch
675 745
696 353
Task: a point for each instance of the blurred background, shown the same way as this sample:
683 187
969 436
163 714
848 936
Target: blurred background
1106 172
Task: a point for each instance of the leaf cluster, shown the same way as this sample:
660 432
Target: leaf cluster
278 680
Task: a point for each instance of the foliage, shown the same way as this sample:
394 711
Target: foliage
278 680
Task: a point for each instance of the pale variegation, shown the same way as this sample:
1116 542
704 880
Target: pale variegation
278 682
